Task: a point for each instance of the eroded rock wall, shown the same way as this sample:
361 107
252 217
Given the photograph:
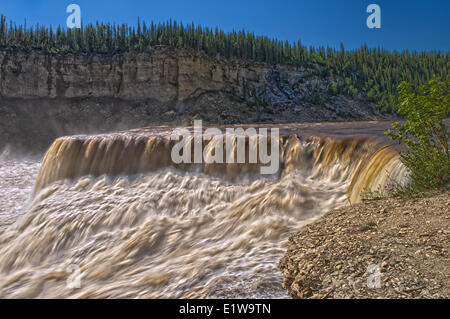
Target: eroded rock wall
43 96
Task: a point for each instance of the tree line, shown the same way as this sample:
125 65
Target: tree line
372 73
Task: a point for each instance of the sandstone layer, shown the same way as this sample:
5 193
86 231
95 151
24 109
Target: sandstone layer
44 96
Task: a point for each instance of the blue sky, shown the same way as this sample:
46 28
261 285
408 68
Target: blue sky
414 24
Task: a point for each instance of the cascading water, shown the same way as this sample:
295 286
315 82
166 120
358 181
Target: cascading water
138 225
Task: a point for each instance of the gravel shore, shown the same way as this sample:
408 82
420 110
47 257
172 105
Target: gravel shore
384 248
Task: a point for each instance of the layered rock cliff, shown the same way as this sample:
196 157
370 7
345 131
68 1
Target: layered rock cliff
44 96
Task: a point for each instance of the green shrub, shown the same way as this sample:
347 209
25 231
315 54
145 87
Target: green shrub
424 134
333 89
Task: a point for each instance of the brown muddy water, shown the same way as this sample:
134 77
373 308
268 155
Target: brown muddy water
135 225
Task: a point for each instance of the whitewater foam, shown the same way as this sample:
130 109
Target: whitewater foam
140 227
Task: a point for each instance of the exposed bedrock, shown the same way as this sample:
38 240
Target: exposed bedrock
44 96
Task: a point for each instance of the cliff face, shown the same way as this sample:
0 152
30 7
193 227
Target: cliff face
165 75
50 95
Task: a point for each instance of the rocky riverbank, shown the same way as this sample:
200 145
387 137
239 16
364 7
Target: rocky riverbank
403 243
